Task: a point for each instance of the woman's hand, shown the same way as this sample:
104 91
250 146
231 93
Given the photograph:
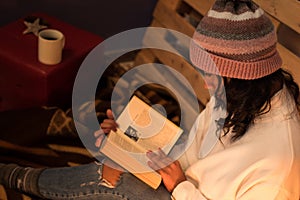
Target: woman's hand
109 123
105 127
170 171
111 172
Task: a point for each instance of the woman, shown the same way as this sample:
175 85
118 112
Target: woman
248 150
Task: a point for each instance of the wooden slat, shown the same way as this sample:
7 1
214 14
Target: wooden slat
156 23
179 63
187 71
286 11
290 61
173 4
202 6
275 22
170 19
144 56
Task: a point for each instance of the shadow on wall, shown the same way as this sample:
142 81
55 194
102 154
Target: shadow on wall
102 17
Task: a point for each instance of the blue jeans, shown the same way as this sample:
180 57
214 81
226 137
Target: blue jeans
81 182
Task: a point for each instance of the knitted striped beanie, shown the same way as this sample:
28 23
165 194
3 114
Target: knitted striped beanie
240 40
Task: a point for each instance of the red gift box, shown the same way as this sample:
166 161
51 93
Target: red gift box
24 81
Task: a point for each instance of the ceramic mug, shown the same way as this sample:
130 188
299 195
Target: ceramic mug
50 46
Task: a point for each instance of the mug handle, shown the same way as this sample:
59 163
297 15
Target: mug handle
63 42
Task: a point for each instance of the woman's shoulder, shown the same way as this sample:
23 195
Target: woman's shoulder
277 140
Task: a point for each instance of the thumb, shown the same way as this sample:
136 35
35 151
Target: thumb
109 114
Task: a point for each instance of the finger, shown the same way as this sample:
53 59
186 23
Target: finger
160 159
161 153
155 159
108 129
108 124
161 156
109 114
98 133
164 158
153 166
99 141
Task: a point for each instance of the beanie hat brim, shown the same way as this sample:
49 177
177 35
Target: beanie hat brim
221 66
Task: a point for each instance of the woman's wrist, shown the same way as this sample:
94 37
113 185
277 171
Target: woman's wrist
110 173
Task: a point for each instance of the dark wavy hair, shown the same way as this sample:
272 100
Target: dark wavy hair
247 99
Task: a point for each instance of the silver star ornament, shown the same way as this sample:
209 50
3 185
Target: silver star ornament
34 27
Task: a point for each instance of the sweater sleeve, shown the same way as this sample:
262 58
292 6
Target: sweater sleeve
266 191
187 191
196 135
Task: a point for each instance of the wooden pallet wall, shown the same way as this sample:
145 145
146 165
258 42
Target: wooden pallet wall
184 15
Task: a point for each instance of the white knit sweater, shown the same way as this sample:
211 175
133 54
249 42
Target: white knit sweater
263 164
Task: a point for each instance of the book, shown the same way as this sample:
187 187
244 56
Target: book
141 128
